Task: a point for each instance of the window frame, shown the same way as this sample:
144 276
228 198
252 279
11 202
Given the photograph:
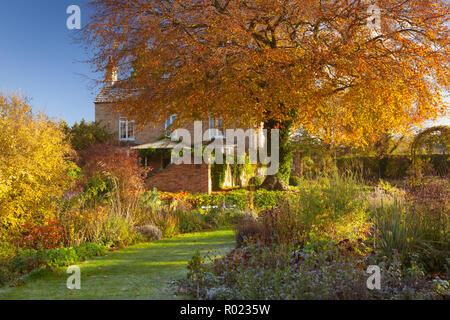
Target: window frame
125 136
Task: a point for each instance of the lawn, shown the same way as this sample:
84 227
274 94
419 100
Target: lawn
143 271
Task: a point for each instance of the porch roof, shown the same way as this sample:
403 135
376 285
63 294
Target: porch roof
162 144
169 144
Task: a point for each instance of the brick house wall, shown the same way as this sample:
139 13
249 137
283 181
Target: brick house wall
109 119
192 178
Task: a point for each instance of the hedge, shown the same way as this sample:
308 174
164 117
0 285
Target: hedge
391 167
240 199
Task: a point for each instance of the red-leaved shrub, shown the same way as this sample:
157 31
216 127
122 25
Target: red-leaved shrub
46 236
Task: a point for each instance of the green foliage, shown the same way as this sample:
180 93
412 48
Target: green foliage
98 189
416 225
235 198
4 276
255 182
167 222
195 265
7 250
397 230
85 135
264 199
116 231
164 154
56 258
30 259
393 167
88 250
193 221
294 181
238 199
218 173
26 260
151 200
429 139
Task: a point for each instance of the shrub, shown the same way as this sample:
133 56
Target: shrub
150 232
102 225
167 222
260 272
107 163
394 167
396 230
193 221
116 231
7 250
34 165
89 250
417 225
255 181
249 230
98 189
263 199
295 181
26 260
429 205
234 199
330 209
61 257
238 199
85 135
46 236
216 218
4 276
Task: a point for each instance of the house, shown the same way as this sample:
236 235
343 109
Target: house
194 178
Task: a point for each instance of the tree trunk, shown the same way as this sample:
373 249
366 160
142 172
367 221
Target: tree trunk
280 181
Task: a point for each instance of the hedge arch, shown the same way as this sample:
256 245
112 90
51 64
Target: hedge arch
421 138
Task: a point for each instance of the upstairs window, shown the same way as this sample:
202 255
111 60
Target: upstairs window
169 124
215 128
126 130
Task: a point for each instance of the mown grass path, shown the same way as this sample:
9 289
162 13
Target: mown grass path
142 271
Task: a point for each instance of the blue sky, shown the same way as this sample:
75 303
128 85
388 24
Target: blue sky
38 58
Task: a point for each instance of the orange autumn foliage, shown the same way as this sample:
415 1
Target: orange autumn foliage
314 62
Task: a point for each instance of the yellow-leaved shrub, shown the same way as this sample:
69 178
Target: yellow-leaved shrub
34 164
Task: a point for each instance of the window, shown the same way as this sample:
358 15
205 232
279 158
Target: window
126 130
215 128
169 123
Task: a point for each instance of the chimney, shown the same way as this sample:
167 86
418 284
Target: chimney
111 73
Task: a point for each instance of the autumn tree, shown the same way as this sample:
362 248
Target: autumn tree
329 67
35 165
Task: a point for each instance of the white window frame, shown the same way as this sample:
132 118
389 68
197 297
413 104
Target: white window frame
169 122
127 123
215 129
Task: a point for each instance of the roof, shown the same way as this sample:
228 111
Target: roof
169 144
112 92
162 144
